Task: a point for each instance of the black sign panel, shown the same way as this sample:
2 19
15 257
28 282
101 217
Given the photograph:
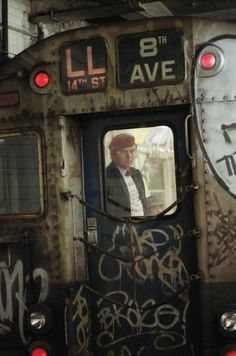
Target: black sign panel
84 66
150 59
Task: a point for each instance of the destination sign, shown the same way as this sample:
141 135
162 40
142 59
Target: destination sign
150 58
84 66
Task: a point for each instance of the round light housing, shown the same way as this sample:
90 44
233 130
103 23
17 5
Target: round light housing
228 321
41 79
208 61
37 320
231 353
39 352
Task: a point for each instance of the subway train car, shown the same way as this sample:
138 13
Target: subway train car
97 262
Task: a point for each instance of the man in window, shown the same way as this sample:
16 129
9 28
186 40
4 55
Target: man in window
125 186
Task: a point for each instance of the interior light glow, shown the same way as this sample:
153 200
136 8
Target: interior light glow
208 61
41 79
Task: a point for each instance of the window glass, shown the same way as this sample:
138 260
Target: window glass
140 171
19 175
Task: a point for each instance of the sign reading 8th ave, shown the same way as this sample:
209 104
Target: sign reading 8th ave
150 59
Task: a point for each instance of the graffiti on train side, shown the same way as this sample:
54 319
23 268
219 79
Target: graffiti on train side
223 228
82 320
13 292
164 318
156 254
156 257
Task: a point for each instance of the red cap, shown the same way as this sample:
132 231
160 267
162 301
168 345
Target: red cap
121 141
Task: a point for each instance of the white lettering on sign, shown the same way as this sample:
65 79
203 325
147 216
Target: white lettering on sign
148 47
167 70
163 71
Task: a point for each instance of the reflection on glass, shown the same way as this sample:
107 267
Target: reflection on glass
140 171
19 175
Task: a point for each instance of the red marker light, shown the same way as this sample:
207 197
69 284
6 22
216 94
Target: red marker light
39 352
231 353
208 60
41 79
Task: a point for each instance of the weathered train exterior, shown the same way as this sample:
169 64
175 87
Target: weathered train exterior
76 280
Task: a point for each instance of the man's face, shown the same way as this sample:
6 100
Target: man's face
125 157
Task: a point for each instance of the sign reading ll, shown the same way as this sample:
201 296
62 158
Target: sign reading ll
150 58
84 66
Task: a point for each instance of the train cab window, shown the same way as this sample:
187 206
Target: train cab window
19 174
139 171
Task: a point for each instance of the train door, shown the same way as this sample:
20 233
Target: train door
141 262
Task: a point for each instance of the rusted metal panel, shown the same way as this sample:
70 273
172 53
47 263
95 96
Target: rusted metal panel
47 54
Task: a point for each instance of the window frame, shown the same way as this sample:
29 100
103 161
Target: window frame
129 128
39 215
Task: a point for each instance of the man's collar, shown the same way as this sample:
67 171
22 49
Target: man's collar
122 170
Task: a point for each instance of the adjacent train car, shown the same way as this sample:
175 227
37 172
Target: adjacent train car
77 277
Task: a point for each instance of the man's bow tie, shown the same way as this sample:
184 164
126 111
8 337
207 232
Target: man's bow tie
128 172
